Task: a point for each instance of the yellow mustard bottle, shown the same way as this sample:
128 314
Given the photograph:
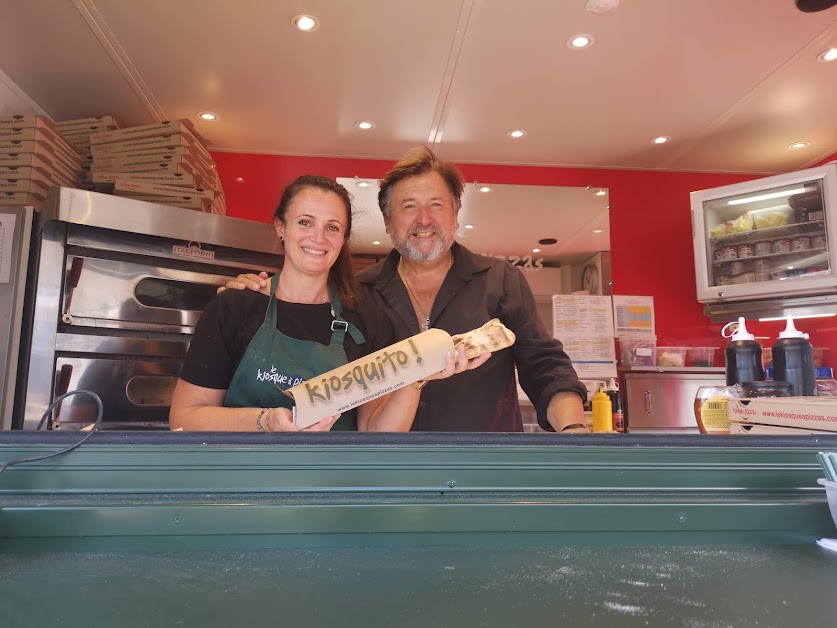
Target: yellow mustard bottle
602 412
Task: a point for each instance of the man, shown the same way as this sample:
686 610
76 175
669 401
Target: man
429 280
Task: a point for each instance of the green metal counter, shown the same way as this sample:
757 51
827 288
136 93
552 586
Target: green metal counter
171 529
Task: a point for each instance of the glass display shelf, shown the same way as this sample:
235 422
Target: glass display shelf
769 233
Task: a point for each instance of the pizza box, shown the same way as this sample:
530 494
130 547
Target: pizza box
186 202
107 123
30 186
40 134
42 144
164 167
162 151
21 198
24 173
760 430
35 160
175 178
26 122
148 143
811 413
114 163
166 127
156 189
82 131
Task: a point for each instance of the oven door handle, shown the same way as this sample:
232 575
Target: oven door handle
62 386
72 282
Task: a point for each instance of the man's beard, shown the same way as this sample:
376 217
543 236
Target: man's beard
408 249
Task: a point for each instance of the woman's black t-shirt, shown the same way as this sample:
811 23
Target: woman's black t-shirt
232 318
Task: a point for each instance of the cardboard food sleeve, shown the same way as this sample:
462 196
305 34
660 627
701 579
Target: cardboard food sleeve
372 376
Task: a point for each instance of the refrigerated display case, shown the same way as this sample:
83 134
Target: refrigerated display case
770 238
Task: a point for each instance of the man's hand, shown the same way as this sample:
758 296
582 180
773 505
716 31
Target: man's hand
257 283
458 362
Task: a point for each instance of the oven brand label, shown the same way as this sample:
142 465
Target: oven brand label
192 249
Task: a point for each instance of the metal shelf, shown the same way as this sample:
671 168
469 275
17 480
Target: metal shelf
772 256
769 233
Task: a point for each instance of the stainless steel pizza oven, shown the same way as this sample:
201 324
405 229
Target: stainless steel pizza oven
119 287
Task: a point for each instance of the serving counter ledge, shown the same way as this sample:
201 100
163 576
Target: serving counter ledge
137 529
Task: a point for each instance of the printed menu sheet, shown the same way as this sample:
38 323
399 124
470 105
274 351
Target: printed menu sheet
584 324
7 232
634 315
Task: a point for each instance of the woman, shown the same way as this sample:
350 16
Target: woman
249 347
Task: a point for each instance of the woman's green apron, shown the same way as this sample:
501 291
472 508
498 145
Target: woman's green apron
275 362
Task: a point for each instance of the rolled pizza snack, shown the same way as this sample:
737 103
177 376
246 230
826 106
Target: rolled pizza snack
389 369
489 338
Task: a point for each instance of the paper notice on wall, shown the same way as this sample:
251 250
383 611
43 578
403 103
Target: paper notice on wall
634 316
372 376
7 232
584 324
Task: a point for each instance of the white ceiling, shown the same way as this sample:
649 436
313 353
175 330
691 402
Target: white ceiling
733 82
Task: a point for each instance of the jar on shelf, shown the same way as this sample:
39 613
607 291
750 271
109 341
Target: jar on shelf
801 243
763 247
728 253
745 250
782 245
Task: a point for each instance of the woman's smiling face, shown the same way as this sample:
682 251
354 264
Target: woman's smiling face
314 230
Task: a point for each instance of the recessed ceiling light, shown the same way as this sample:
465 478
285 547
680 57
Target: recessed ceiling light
240 179
548 241
516 133
798 145
376 242
601 193
828 55
305 23
469 226
208 115
660 139
536 250
485 188
362 184
579 42
365 125
601 6
597 230
790 267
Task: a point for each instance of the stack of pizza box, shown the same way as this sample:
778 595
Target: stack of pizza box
77 133
34 158
165 163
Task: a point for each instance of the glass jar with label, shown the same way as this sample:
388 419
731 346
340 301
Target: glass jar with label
782 245
745 250
763 247
711 408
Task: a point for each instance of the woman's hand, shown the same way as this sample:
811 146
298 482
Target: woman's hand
281 420
458 362
257 283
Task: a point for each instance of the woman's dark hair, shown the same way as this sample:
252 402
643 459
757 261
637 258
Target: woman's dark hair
340 275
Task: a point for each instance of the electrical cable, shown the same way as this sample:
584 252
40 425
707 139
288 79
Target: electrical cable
100 411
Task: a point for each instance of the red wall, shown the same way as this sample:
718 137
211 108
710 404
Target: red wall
650 221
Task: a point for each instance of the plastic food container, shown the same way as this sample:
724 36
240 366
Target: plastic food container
818 353
831 496
701 356
638 351
671 356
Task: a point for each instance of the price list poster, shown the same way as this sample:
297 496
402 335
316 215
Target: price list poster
634 315
584 324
